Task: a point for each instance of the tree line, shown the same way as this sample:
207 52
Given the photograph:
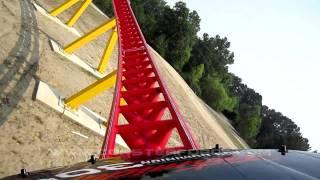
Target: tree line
203 63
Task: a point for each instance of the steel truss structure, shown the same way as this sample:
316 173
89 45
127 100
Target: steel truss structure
147 98
140 98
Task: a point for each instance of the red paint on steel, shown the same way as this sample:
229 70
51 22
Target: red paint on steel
139 84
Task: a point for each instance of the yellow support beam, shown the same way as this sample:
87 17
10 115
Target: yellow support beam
63 7
89 36
108 51
89 92
79 12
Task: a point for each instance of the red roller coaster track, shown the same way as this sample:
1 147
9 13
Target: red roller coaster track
147 98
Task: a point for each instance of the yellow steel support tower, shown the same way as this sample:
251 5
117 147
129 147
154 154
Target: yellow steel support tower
93 35
103 84
108 51
89 36
92 90
79 12
66 5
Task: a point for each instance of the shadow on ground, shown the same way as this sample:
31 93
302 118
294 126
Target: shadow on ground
21 64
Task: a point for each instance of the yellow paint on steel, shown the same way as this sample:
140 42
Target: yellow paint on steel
90 36
66 5
123 88
123 102
79 12
89 92
108 51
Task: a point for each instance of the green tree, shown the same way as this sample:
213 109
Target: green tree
213 52
193 78
249 122
105 6
215 94
203 63
248 110
277 130
181 27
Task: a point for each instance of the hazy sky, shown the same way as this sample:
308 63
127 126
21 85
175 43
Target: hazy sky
276 45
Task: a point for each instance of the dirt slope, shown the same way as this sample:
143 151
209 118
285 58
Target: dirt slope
32 135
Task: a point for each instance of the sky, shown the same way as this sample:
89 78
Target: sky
276 45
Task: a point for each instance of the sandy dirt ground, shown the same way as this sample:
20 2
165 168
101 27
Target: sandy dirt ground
33 136
208 126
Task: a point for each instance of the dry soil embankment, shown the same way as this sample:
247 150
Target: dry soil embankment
32 135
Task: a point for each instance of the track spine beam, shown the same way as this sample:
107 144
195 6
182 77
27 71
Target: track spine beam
148 100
